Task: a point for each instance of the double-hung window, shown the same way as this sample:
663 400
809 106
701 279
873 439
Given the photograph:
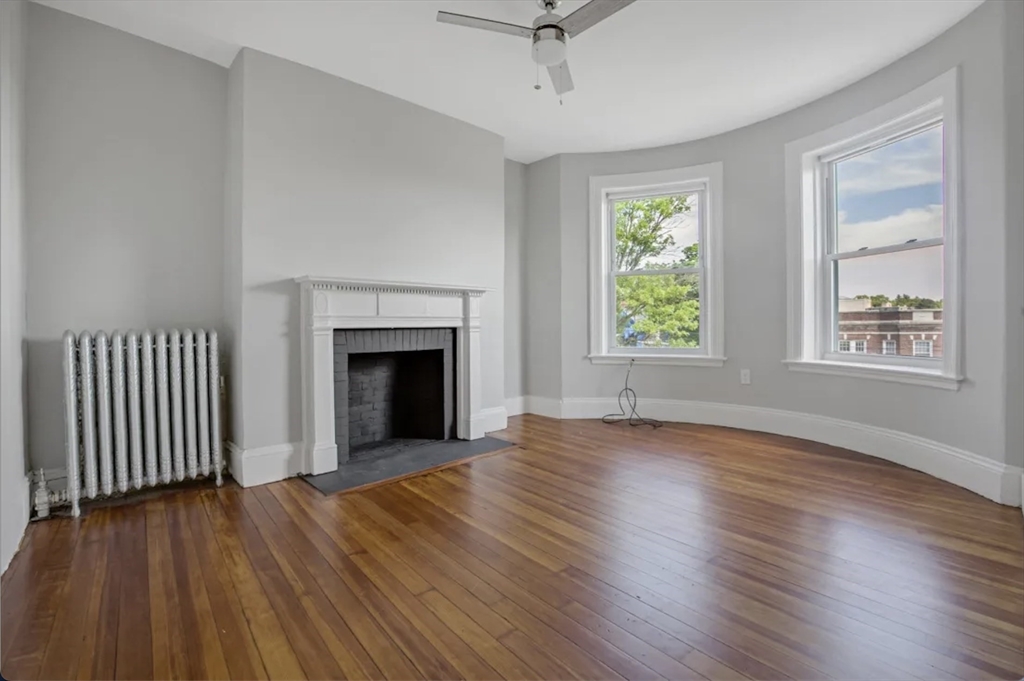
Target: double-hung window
873 241
656 267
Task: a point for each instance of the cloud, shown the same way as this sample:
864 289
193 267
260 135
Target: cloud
913 223
910 162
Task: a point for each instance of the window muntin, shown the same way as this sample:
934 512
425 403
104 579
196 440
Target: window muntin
922 348
888 347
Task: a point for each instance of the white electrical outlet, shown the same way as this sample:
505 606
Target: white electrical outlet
745 376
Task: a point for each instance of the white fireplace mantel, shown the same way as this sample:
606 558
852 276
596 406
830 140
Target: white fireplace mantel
329 303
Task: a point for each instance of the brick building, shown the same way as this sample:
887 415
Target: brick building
889 330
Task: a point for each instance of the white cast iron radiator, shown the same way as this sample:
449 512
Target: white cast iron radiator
140 410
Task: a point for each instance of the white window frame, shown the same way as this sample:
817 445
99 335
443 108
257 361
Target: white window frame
894 344
604 191
810 305
931 348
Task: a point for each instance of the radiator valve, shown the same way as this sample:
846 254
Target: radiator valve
42 496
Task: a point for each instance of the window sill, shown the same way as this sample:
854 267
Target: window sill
930 379
660 360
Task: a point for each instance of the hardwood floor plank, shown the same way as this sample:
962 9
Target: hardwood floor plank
468 664
538 656
25 654
92 632
407 550
236 640
580 661
63 649
497 656
134 644
588 551
201 636
310 649
279 658
353 660
18 582
388 516
170 657
328 562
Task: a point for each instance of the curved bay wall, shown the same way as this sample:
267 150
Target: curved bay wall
973 421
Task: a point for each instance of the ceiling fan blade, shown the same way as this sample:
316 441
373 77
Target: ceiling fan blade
561 78
591 13
486 24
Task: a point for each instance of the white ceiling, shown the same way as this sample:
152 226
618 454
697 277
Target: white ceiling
658 72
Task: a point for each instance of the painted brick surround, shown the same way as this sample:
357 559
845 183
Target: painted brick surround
392 383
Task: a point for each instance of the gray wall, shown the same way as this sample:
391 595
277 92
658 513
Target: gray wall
341 180
125 183
755 260
515 281
1014 79
542 324
13 487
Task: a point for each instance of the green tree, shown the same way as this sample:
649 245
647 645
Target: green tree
642 229
879 300
915 303
655 310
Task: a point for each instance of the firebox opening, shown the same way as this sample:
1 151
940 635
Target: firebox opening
395 396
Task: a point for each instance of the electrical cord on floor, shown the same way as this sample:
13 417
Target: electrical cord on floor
634 419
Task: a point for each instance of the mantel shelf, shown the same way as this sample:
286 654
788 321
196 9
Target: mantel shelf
374 286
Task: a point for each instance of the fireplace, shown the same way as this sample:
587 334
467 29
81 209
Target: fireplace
330 305
393 389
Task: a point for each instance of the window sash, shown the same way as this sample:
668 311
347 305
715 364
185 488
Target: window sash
612 275
828 230
889 347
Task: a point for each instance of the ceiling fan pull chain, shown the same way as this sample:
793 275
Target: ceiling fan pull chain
537 86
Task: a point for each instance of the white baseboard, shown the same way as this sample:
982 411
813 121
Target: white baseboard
495 418
543 406
514 406
991 479
262 465
531 404
15 520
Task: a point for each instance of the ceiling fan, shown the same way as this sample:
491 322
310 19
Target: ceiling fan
550 33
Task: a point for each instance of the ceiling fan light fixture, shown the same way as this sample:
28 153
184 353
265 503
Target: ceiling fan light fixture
549 47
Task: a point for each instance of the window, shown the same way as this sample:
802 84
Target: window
922 348
853 346
872 207
656 267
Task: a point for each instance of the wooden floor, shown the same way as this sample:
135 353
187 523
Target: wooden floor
592 551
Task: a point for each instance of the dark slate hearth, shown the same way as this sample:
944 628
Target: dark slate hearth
399 459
